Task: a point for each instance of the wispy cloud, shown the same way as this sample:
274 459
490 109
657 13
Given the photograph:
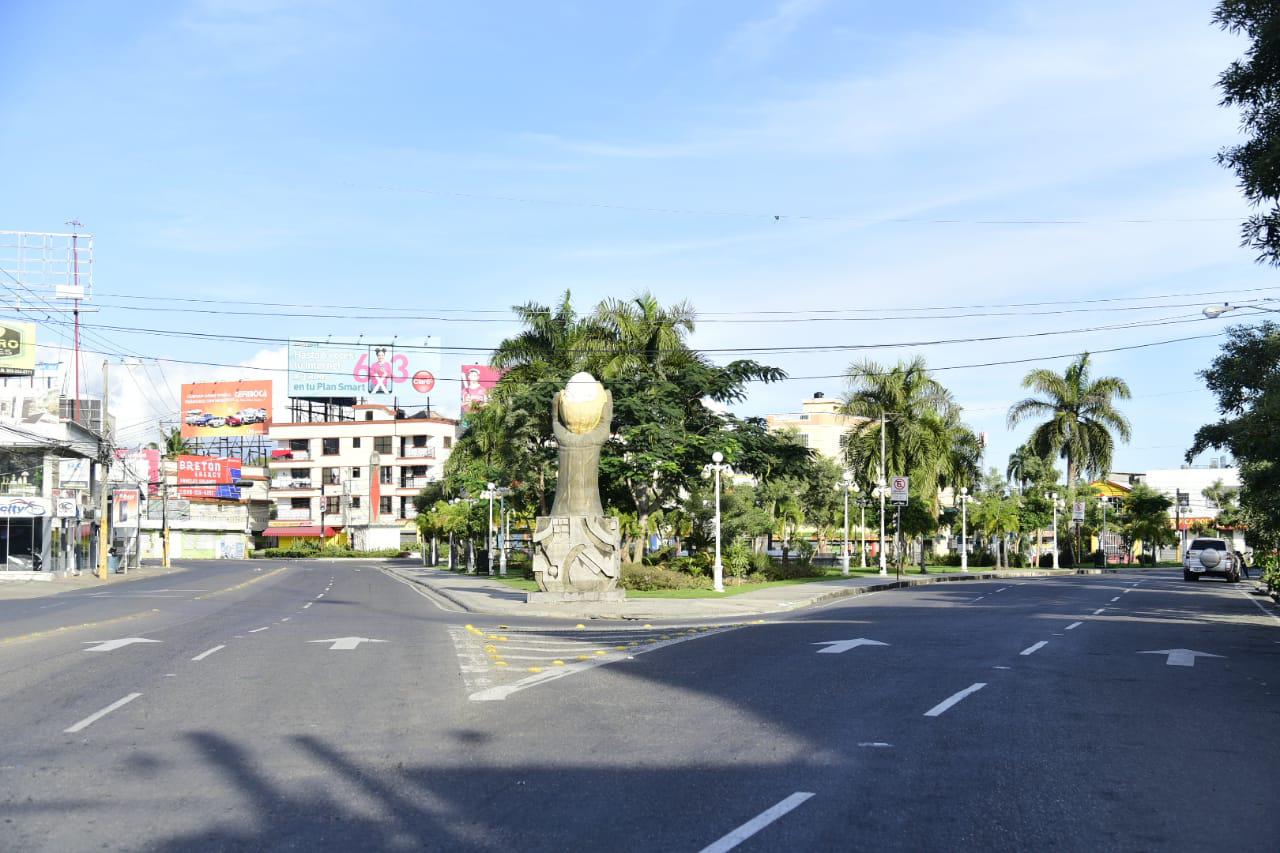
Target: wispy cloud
757 39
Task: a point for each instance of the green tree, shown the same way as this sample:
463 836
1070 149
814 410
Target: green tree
1245 377
1145 516
640 335
1253 85
1081 416
175 445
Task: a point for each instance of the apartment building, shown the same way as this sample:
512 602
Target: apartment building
819 425
355 479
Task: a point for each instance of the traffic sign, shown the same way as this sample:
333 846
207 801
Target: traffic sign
898 489
1077 511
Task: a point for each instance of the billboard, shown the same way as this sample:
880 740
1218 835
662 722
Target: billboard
17 348
124 508
216 409
477 381
140 466
399 372
208 477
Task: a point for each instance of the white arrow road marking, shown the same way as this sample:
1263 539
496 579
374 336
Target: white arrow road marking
112 645
757 823
346 644
835 647
93 718
1181 657
941 707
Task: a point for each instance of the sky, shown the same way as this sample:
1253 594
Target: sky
850 163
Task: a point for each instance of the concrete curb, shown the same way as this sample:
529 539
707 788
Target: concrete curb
800 604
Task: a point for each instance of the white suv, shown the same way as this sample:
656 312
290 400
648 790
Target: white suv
1210 557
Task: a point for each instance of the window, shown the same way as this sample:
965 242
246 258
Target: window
404 507
332 477
355 501
355 473
419 441
355 442
385 473
448 442
384 505
333 504
299 503
299 444
419 471
330 446
368 416
382 444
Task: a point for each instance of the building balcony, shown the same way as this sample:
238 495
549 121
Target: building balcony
415 482
285 513
287 483
427 452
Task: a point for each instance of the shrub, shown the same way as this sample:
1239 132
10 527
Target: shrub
737 559
642 578
805 551
695 565
1271 573
310 551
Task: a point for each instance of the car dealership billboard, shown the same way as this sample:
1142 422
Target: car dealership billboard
401 372
17 348
216 409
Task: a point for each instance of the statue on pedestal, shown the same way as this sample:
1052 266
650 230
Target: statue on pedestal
577 548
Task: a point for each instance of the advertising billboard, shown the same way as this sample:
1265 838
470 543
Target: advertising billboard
216 409
399 372
17 348
124 508
477 381
208 477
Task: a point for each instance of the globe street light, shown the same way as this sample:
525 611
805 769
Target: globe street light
846 485
880 492
1053 496
964 499
488 533
717 466
862 528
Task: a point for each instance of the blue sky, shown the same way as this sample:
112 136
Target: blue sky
473 156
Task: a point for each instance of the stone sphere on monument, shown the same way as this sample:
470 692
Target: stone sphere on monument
582 403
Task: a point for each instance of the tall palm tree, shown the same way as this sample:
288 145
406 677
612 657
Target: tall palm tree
921 423
175 445
641 332
555 343
1081 416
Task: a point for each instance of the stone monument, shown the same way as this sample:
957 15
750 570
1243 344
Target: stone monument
577 548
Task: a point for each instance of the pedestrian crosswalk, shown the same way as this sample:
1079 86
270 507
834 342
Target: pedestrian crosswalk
499 660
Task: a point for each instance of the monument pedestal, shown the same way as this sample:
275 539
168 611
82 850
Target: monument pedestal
572 597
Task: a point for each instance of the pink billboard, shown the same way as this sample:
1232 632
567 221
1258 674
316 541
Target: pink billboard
477 382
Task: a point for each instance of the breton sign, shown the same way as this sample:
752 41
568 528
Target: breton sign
898 489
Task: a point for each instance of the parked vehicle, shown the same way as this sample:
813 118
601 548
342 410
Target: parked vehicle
1210 557
233 421
215 422
196 417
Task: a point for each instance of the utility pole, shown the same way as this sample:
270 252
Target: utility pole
883 483
164 516
104 523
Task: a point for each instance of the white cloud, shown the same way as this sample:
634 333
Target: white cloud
758 39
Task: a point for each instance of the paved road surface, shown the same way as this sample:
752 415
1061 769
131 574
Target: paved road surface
995 715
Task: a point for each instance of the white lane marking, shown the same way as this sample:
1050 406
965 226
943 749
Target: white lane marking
757 823
1114 600
308 604
1002 667
1099 610
205 654
1258 604
979 598
876 744
1074 625
321 595
1002 589
497 694
1127 591
256 630
112 645
941 708
93 718
1032 649
420 591
286 619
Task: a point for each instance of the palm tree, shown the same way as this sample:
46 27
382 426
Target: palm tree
640 332
1081 417
175 445
555 343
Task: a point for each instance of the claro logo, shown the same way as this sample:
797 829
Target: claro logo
10 342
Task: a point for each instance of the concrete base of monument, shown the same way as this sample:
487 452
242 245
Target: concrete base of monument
572 597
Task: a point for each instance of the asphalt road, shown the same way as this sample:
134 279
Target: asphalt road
1010 715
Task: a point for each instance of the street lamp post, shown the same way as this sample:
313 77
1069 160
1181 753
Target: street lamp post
503 532
846 485
880 493
716 468
488 533
965 497
1054 497
862 528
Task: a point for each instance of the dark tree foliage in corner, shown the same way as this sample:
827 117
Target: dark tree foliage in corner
1245 377
1253 85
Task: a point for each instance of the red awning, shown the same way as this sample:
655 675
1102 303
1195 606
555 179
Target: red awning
284 453
326 532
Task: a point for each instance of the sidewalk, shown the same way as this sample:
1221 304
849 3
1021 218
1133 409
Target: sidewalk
19 589
481 594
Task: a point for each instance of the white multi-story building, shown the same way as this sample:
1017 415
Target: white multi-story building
819 424
355 477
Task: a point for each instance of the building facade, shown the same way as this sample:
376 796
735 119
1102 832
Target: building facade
818 423
355 479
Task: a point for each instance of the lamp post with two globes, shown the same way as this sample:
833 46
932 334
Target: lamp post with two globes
717 467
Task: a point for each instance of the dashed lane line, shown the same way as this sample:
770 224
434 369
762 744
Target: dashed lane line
942 707
256 630
98 715
205 654
1074 625
1114 600
757 823
1099 611
1032 649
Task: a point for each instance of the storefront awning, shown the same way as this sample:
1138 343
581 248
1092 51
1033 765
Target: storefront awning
309 530
282 453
